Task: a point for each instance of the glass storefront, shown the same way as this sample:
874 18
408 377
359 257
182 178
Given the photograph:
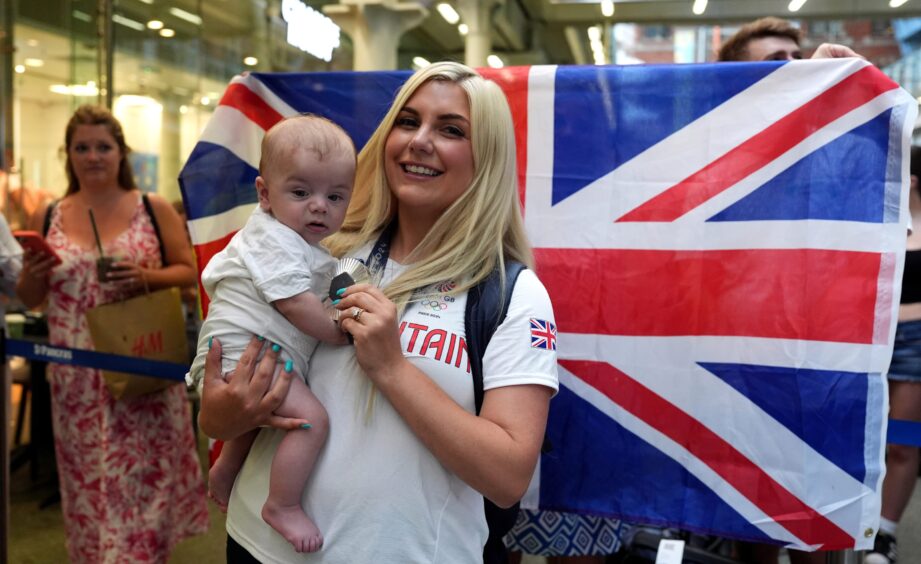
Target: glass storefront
168 60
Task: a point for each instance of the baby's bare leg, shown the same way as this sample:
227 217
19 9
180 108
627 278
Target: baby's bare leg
224 470
291 468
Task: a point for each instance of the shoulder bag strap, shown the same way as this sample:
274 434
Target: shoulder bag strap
156 227
47 223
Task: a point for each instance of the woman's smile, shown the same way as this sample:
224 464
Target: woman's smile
420 170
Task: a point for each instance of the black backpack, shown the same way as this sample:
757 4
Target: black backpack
486 309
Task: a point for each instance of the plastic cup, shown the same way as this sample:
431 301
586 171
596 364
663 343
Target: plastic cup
105 265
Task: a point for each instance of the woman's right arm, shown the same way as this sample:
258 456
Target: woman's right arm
248 398
32 286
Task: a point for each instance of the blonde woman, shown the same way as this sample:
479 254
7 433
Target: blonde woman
402 479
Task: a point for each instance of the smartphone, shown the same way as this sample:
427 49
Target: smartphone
34 242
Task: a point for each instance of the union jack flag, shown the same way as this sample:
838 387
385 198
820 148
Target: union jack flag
543 334
722 244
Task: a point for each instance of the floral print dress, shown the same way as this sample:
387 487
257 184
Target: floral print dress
131 484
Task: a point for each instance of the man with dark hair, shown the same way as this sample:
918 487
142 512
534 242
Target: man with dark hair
774 39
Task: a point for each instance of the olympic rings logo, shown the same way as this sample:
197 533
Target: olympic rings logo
435 305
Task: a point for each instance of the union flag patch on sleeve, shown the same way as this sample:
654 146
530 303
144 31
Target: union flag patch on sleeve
543 334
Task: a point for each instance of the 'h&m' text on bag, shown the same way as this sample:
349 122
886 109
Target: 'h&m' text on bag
150 326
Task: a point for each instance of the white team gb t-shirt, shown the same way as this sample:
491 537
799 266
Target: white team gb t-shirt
376 493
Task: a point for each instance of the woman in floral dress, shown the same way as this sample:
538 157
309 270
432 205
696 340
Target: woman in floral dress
131 484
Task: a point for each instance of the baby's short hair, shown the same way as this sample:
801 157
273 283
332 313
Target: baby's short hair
303 132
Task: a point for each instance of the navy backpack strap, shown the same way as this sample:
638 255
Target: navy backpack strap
485 311
156 227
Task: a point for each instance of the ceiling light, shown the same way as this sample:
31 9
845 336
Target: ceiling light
462 29
128 22
421 62
699 7
448 12
795 5
250 61
167 32
133 100
148 2
154 24
183 109
607 8
205 100
30 62
896 3
495 62
187 16
594 40
88 89
20 69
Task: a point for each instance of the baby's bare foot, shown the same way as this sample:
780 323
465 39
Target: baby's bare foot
294 525
220 482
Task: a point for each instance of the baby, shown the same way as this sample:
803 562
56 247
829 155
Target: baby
268 281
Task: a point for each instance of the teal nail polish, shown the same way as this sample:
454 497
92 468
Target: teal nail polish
276 347
260 337
306 426
210 341
336 301
340 291
289 365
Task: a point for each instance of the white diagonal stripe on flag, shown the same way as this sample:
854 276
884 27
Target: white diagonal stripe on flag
214 227
231 129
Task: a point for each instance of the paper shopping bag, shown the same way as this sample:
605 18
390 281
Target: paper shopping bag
149 326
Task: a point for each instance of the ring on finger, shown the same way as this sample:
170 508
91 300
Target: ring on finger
356 313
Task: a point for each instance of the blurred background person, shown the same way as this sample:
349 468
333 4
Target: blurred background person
131 484
20 202
10 263
904 384
774 39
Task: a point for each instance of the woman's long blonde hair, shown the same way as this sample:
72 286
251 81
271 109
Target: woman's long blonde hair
481 230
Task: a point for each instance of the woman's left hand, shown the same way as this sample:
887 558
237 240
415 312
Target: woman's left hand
371 318
127 276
